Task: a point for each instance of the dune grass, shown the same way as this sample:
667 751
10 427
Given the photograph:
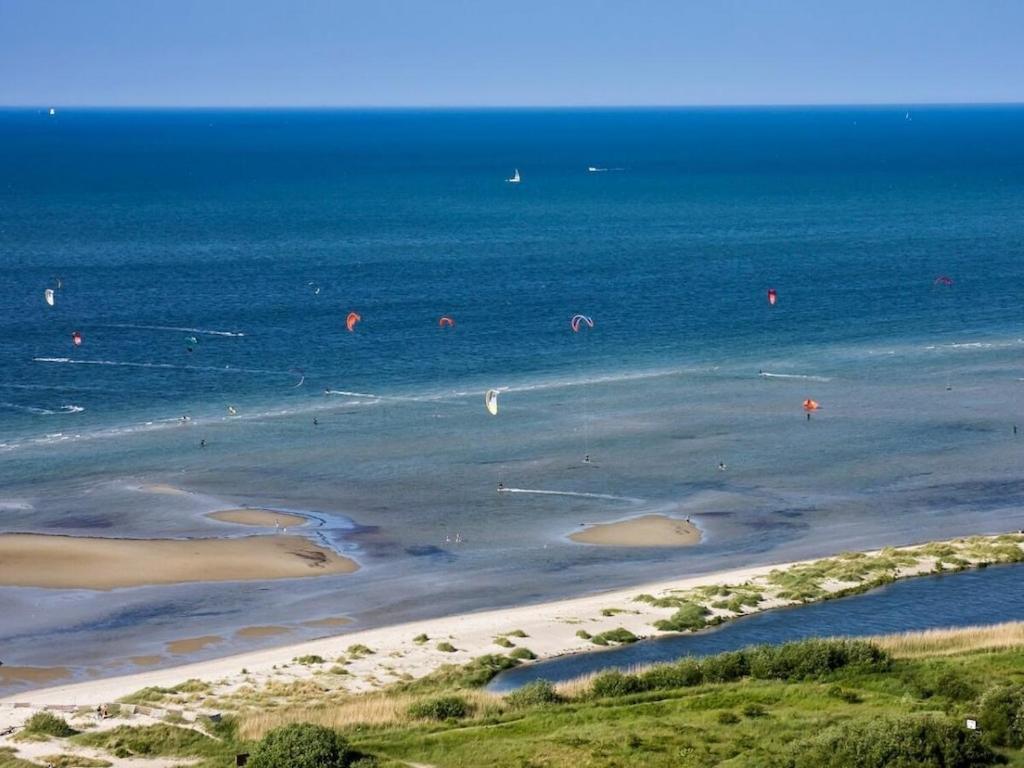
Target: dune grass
945 642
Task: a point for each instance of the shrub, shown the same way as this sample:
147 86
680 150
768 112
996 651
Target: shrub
440 708
754 710
614 683
504 642
358 650
522 654
533 694
301 745
812 658
682 674
919 741
309 659
47 724
725 667
728 718
421 638
446 647
618 635
582 634
517 633
690 616
1001 715
843 694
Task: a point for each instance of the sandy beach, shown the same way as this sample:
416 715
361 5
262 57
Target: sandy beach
68 562
400 652
261 518
646 531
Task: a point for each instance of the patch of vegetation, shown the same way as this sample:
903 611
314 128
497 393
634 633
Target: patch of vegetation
48 724
421 638
690 616
583 634
504 642
619 636
533 694
8 759
302 745
309 659
522 654
358 650
155 694
446 647
516 633
1001 715
474 674
728 717
72 761
440 708
160 740
893 741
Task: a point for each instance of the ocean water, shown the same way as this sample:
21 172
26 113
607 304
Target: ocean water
223 225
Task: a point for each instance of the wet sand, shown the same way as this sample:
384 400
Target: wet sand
192 644
251 632
146 661
331 621
263 518
34 675
646 531
68 562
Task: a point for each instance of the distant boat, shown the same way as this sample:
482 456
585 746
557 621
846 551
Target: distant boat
52 111
514 179
907 117
595 169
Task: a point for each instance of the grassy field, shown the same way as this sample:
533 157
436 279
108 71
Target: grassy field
764 706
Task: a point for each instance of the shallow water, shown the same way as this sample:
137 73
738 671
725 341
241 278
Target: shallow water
167 225
988 596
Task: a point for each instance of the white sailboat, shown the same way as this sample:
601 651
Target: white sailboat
514 179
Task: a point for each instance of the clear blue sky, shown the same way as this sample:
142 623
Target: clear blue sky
509 52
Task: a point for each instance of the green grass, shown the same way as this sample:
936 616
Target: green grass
445 647
617 636
159 741
74 761
46 724
9 759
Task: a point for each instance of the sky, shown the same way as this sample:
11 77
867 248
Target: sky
483 53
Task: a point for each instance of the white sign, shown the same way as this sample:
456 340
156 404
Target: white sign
972 725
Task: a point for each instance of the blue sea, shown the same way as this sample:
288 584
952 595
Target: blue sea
209 260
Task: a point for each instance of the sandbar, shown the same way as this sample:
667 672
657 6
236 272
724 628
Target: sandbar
646 531
261 631
192 644
330 621
32 675
70 562
146 661
262 518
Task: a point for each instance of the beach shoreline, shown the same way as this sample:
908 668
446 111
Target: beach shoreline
414 649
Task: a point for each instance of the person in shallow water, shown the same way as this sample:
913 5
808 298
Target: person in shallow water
315 422
202 443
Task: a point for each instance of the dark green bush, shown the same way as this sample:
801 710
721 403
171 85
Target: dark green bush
440 708
754 710
689 616
728 718
302 745
522 654
725 667
683 674
888 742
309 659
619 635
838 692
614 683
1001 715
813 658
533 694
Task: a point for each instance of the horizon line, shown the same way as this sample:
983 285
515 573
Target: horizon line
511 107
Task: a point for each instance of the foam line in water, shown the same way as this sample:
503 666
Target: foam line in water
183 329
580 494
172 366
27 409
800 376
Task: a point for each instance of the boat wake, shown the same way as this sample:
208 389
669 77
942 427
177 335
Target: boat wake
798 376
579 494
183 329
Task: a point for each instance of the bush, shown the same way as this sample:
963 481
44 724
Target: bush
504 642
358 650
843 694
690 616
618 635
421 638
614 683
582 634
813 658
728 718
682 674
522 654
533 694
440 708
725 667
446 647
1001 716
309 659
887 742
517 633
302 745
47 724
754 710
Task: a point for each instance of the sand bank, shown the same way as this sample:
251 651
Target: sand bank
263 518
646 531
33 675
69 562
330 621
271 631
192 644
